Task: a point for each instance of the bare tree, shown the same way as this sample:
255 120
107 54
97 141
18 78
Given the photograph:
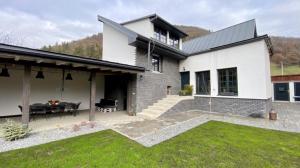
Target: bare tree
11 38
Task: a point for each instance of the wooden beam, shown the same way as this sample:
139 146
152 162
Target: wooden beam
39 61
92 67
26 95
17 58
92 96
78 65
61 63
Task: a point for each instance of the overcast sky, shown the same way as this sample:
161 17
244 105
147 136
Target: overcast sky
41 22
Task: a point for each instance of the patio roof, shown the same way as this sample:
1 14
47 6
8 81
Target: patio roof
17 54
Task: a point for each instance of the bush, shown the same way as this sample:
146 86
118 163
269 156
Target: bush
187 90
13 130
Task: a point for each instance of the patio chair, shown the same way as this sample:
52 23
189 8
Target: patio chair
107 105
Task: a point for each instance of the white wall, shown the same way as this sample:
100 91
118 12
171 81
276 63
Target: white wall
116 48
42 90
143 27
253 69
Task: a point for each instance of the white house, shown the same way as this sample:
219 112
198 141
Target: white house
145 60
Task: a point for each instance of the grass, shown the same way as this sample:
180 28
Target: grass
214 144
287 70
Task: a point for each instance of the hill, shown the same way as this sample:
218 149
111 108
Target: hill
286 49
92 46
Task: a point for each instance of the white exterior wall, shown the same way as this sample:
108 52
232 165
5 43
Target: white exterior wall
42 90
253 69
116 48
143 27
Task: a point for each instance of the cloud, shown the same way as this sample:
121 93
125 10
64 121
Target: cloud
46 22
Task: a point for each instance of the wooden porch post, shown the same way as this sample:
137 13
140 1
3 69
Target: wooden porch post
26 95
92 97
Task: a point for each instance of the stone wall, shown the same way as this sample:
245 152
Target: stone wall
233 106
152 86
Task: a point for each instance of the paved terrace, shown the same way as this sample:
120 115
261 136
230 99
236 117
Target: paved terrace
150 132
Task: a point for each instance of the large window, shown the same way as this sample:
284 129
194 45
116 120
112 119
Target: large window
228 85
174 41
156 63
160 35
203 83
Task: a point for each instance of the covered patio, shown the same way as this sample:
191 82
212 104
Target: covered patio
30 76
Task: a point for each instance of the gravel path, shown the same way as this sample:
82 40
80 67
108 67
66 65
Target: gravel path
152 132
37 138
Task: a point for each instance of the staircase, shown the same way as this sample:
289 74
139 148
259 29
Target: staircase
162 106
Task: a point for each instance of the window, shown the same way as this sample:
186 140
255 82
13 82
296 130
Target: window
156 63
228 82
174 41
160 35
203 82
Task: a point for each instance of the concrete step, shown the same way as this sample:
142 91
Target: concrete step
161 106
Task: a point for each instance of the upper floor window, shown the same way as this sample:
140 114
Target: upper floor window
203 83
228 85
174 41
160 35
156 63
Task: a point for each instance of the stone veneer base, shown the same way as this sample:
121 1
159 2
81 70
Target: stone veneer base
235 106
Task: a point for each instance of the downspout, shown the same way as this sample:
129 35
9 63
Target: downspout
149 55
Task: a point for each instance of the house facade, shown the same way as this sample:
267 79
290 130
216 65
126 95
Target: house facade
143 61
228 69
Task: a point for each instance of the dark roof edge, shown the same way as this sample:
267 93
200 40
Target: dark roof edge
154 16
63 57
138 19
263 37
164 46
168 23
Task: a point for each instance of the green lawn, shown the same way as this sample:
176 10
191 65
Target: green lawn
214 144
287 70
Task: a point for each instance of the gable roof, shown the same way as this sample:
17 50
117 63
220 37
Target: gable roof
159 21
129 33
233 34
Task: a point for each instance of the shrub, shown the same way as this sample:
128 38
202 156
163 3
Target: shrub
13 130
187 90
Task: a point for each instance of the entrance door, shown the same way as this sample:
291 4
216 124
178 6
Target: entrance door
297 91
185 78
281 91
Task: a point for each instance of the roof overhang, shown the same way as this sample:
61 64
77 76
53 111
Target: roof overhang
157 20
158 48
16 54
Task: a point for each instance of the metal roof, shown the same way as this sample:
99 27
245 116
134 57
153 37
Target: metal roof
233 34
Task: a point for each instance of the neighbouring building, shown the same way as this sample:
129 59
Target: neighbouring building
286 88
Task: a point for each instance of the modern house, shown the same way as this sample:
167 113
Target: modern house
145 60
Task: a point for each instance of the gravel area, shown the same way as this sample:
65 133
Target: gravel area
37 138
